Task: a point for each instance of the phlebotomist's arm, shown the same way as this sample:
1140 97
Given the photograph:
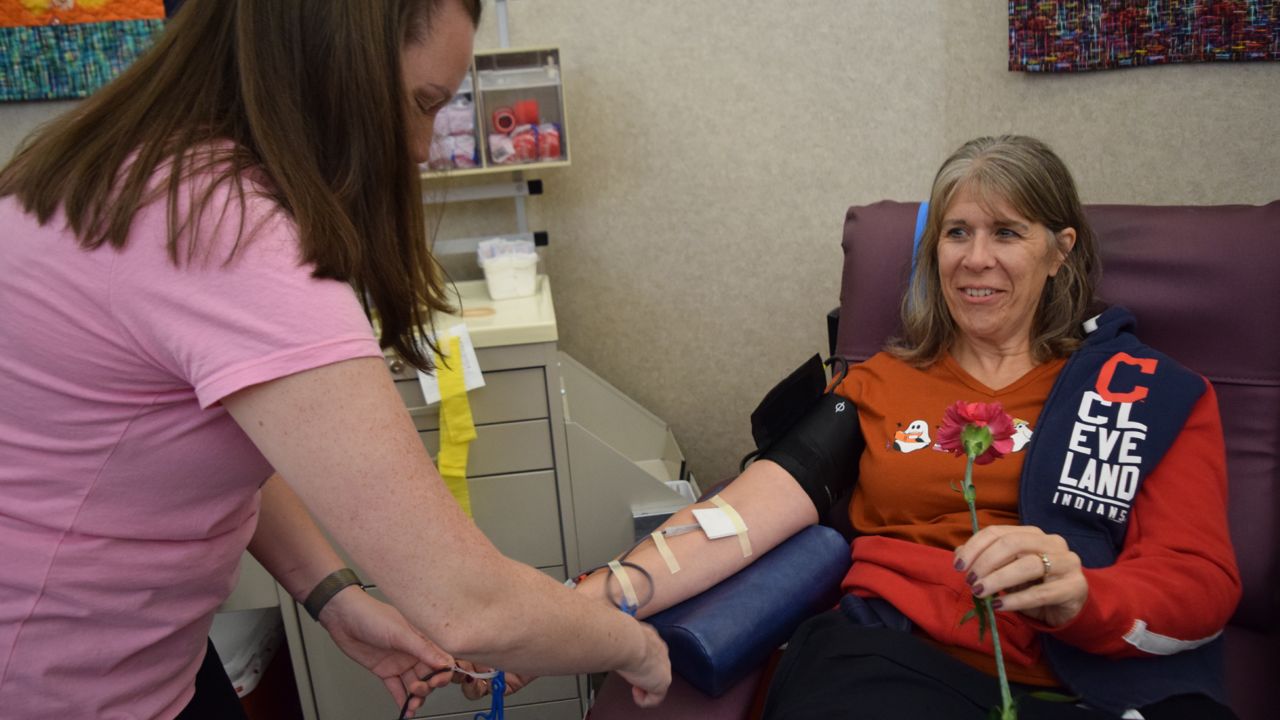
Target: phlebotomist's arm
341 436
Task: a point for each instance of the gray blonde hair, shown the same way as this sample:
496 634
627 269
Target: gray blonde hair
1034 181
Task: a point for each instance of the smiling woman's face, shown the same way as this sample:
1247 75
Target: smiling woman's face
433 68
993 264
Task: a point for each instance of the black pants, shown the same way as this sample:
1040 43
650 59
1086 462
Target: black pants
834 668
215 698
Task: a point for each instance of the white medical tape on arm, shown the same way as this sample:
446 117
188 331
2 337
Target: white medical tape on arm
738 525
664 550
628 590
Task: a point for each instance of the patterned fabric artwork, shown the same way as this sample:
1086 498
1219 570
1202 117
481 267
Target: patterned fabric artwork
1077 35
69 48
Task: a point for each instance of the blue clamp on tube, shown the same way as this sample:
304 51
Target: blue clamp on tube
497 691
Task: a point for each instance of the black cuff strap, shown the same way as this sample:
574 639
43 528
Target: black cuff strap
822 450
335 582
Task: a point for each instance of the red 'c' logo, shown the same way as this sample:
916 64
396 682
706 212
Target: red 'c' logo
1147 366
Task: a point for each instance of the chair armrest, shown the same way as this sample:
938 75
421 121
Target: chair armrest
718 637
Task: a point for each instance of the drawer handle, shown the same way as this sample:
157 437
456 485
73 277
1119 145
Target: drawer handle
396 366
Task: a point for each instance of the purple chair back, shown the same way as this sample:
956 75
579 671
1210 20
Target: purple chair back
1204 284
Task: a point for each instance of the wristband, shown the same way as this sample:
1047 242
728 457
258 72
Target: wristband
333 583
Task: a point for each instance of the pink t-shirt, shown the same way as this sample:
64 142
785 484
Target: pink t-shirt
127 493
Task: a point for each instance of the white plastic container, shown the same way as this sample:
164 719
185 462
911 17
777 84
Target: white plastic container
510 268
685 488
247 640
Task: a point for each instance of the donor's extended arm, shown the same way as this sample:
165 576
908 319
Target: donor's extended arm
773 508
797 478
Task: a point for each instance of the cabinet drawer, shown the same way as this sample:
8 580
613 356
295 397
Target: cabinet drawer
502 449
507 396
524 526
520 515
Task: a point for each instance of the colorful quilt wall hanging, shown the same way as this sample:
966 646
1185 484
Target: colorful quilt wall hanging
52 49
1079 35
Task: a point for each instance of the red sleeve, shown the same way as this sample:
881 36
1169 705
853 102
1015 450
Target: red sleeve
1175 583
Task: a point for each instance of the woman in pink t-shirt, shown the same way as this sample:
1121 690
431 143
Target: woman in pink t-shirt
185 258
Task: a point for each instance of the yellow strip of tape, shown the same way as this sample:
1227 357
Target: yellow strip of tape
665 551
628 590
457 428
738 525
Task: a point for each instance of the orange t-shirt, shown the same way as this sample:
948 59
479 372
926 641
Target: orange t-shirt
908 489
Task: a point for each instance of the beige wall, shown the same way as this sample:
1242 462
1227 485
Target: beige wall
717 143
716 147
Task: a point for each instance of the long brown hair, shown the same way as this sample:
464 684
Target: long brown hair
1025 173
309 94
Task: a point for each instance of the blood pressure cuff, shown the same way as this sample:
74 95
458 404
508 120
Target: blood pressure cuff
813 435
788 401
720 636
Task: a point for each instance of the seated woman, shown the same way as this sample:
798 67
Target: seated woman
1104 546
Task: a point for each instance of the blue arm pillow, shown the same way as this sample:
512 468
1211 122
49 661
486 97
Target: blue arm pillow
720 636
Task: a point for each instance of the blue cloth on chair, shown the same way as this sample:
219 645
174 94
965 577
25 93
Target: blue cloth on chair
720 636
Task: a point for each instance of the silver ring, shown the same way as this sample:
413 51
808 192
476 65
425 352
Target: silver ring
1044 559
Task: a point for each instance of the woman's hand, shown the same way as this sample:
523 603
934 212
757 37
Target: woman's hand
651 677
378 637
1040 576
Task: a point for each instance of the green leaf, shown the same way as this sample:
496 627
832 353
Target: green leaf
969 616
955 487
